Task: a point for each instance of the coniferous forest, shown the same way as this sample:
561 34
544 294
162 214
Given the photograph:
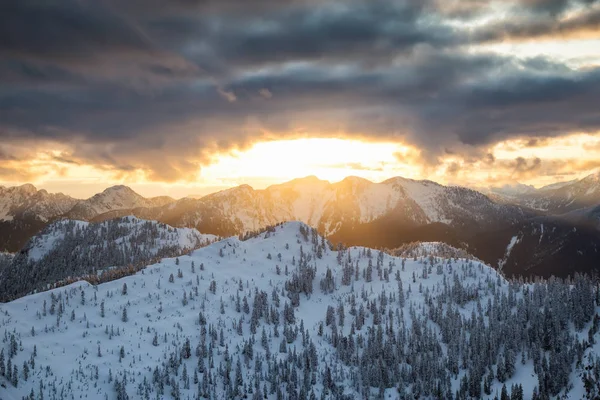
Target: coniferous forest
284 314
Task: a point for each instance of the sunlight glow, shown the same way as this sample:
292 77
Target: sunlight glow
531 161
328 159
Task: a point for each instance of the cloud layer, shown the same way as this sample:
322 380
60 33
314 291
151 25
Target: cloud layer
161 87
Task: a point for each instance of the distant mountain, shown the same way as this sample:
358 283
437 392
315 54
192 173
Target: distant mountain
356 211
556 185
513 189
68 249
398 211
541 246
336 208
24 210
559 198
27 202
113 199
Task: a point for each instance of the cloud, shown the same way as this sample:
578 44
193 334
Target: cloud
266 93
584 23
521 166
229 96
127 87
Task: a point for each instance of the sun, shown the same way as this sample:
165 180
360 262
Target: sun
330 159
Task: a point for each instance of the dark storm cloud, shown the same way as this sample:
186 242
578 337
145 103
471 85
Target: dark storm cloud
49 40
65 28
368 30
161 86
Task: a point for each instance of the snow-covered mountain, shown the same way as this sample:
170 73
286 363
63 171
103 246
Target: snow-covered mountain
336 208
27 201
113 199
24 210
561 197
67 249
513 189
281 315
356 211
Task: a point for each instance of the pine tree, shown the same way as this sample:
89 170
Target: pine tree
25 371
9 370
15 376
2 365
186 351
504 394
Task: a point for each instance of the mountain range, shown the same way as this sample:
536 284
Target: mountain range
520 229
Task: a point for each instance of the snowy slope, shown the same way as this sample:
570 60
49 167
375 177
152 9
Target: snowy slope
47 241
69 249
436 249
406 327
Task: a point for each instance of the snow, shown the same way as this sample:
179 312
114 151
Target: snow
437 249
426 194
301 199
514 240
26 199
44 242
69 351
114 198
513 189
376 201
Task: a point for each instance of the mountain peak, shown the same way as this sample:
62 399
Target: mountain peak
236 190
307 180
513 189
27 188
355 180
119 188
592 178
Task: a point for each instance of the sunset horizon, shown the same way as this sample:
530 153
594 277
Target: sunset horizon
333 159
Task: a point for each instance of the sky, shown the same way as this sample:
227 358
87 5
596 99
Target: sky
187 97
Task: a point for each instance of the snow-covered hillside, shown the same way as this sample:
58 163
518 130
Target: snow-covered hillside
67 249
426 249
281 315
